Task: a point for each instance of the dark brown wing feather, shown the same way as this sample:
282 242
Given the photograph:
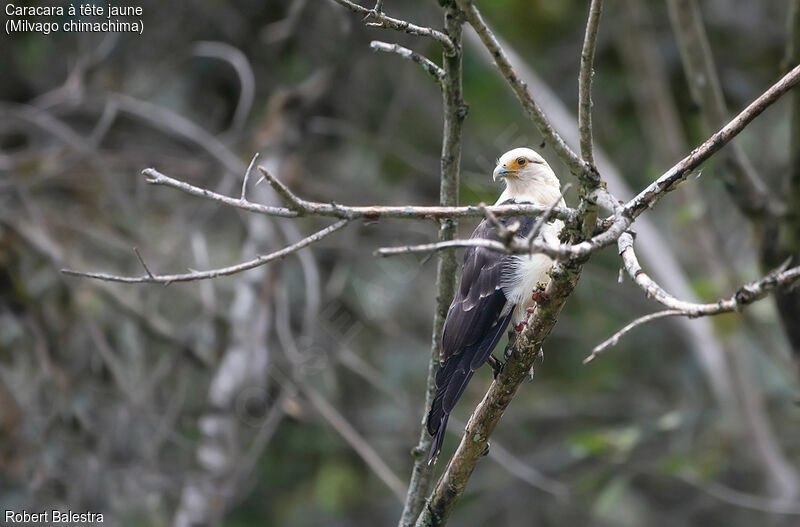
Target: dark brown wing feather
479 299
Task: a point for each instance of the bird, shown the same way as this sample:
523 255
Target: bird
496 289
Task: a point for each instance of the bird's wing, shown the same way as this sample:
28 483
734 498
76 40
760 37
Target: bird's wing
475 323
480 302
479 299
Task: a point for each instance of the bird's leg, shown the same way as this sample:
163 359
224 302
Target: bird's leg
519 327
497 366
538 295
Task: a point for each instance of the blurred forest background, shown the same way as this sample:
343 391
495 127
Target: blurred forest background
292 394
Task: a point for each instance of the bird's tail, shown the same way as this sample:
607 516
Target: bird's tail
438 439
451 380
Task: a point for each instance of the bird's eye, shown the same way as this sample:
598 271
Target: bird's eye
522 161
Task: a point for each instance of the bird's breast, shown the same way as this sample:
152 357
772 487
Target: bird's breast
524 272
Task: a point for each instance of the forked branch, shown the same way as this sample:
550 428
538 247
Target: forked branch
779 278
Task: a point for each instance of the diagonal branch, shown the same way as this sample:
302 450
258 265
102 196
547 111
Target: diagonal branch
191 276
427 64
484 419
674 176
746 187
353 438
614 339
531 107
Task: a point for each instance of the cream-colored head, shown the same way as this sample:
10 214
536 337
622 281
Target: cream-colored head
527 176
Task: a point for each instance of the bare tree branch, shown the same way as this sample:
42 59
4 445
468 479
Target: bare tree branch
428 65
614 339
745 295
492 245
590 185
300 207
585 81
534 111
746 187
669 180
191 276
354 439
455 111
484 419
647 198
388 22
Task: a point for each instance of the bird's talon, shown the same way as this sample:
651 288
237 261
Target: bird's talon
530 310
539 296
519 327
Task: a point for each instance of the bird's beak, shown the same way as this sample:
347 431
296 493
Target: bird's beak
501 171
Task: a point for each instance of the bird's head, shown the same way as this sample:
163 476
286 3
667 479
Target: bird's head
525 172
520 164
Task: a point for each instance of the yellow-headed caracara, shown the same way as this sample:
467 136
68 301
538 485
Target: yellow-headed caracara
496 289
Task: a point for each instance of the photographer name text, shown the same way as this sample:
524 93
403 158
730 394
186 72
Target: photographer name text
52 516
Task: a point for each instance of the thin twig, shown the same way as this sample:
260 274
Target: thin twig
247 177
544 218
141 261
613 339
585 81
492 245
388 22
428 65
354 439
294 203
150 278
506 234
